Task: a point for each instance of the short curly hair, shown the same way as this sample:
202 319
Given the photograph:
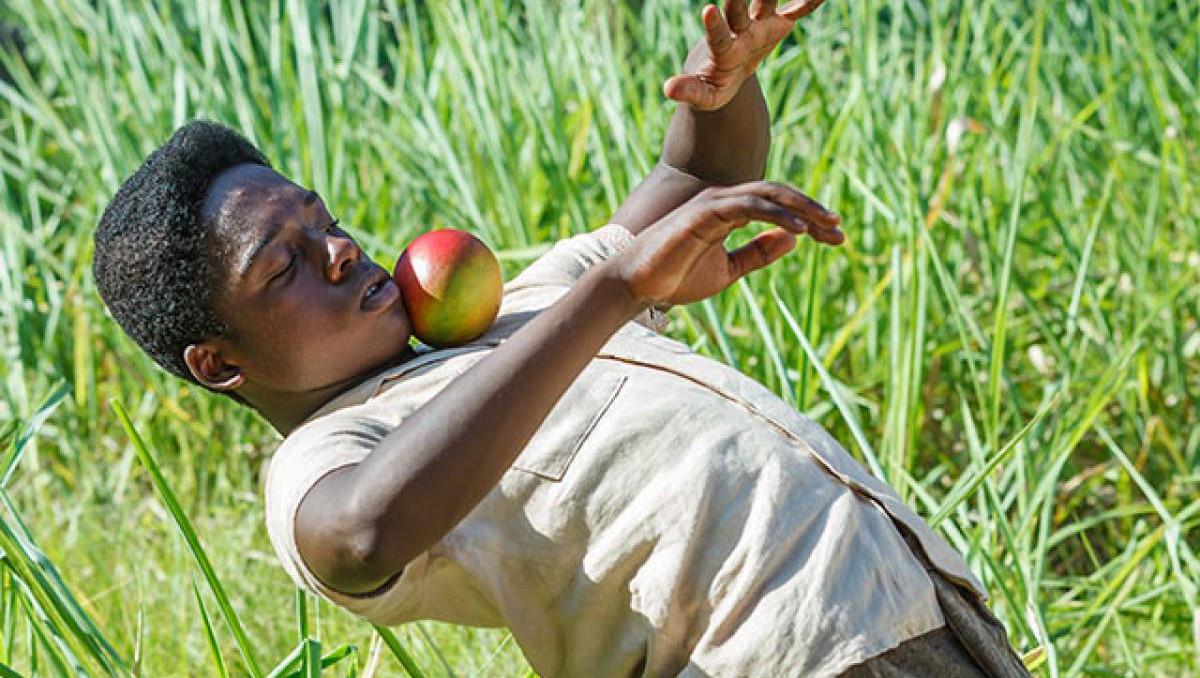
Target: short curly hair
154 262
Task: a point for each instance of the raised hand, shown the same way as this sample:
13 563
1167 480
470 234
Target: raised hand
681 258
737 43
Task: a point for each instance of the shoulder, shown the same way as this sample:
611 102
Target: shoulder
314 450
319 447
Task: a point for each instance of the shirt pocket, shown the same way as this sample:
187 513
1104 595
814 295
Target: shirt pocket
570 423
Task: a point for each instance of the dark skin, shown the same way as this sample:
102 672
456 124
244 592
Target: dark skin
296 307
301 331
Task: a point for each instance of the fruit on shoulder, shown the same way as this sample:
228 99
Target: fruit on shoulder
451 286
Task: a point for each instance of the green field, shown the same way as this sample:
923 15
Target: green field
1010 336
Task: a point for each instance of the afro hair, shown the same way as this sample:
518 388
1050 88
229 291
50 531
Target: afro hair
153 260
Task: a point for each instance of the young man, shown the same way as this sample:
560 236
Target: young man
624 506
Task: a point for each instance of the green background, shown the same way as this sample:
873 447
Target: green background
1009 337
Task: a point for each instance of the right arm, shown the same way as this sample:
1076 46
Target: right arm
357 527
429 472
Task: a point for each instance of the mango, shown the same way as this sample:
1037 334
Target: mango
451 286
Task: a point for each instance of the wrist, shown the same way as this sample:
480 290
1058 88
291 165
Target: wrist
725 146
608 283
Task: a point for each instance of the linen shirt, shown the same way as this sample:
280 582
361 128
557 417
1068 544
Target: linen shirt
670 517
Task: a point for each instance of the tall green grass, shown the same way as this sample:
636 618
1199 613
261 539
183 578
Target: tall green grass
1010 337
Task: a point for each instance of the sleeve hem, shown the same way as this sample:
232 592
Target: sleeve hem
615 236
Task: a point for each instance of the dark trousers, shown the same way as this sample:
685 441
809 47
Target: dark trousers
972 644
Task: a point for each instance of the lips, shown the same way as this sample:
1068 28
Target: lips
379 291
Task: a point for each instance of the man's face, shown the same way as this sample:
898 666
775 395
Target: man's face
306 308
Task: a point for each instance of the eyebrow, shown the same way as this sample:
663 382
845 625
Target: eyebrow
252 253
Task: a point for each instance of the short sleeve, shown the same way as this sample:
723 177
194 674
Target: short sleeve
308 454
567 261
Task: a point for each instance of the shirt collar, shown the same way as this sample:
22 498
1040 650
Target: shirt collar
368 388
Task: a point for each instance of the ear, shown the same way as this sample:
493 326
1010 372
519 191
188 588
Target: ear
208 366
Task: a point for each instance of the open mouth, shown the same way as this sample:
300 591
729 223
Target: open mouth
372 289
380 291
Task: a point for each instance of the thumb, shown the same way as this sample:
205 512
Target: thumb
685 88
765 248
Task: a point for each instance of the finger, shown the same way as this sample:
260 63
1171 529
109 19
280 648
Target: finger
834 238
716 31
819 212
729 210
760 9
762 250
725 214
688 89
828 235
803 205
820 223
736 15
799 8
825 232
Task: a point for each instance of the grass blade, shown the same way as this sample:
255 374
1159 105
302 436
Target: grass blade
188 533
398 651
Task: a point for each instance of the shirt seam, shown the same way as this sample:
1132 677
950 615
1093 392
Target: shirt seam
848 482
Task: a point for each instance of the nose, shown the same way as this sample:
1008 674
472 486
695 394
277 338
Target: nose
343 254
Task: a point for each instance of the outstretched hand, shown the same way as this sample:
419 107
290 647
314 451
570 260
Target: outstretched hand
681 258
737 43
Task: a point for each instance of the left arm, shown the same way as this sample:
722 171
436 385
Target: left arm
702 148
720 132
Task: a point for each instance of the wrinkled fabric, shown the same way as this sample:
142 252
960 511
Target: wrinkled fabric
972 644
670 517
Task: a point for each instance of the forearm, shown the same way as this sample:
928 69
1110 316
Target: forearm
427 474
726 146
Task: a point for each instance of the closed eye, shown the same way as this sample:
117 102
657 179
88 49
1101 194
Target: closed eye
283 271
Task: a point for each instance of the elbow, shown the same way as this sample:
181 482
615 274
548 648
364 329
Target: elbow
371 555
359 564
359 555
346 553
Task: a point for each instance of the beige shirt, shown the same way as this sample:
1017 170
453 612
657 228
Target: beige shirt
670 517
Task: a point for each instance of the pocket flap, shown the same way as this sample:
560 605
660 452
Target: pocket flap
556 442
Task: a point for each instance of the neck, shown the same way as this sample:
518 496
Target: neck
286 410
